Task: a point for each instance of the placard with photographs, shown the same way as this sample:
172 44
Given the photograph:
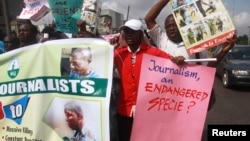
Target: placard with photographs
203 24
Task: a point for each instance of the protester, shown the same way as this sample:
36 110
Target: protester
47 34
11 42
27 33
119 41
75 119
127 60
83 33
50 33
172 43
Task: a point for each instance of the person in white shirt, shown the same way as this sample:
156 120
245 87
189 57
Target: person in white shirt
171 40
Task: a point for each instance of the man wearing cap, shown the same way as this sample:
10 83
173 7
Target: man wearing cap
128 61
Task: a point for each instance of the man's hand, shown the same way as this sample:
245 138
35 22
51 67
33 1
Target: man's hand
179 60
115 42
81 25
229 43
226 47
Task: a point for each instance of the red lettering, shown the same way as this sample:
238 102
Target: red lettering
165 104
31 11
148 87
176 91
204 96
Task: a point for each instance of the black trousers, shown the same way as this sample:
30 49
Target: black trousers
124 127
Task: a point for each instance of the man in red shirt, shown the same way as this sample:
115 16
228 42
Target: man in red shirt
127 60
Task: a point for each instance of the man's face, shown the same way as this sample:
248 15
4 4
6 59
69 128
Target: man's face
73 119
79 64
132 37
24 33
7 43
172 29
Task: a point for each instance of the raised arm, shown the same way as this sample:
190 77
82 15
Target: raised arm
154 12
226 47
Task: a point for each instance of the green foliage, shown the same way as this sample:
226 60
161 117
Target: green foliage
242 40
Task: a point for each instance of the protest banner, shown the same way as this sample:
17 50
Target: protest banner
37 82
203 24
172 101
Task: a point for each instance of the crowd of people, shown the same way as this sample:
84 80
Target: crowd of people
29 34
129 47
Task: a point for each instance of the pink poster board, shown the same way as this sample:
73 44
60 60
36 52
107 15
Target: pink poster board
172 101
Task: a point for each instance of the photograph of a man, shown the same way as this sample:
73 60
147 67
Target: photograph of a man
80 60
75 120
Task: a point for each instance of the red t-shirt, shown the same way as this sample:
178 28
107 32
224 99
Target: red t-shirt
130 73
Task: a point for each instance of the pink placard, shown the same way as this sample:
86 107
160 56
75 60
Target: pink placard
172 101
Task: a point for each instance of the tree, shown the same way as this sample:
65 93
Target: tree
243 40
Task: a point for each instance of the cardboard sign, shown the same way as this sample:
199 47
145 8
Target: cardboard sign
172 101
203 24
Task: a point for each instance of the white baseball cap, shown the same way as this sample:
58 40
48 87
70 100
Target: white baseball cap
132 24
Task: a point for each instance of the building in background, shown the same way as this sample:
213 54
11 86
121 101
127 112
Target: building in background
110 21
